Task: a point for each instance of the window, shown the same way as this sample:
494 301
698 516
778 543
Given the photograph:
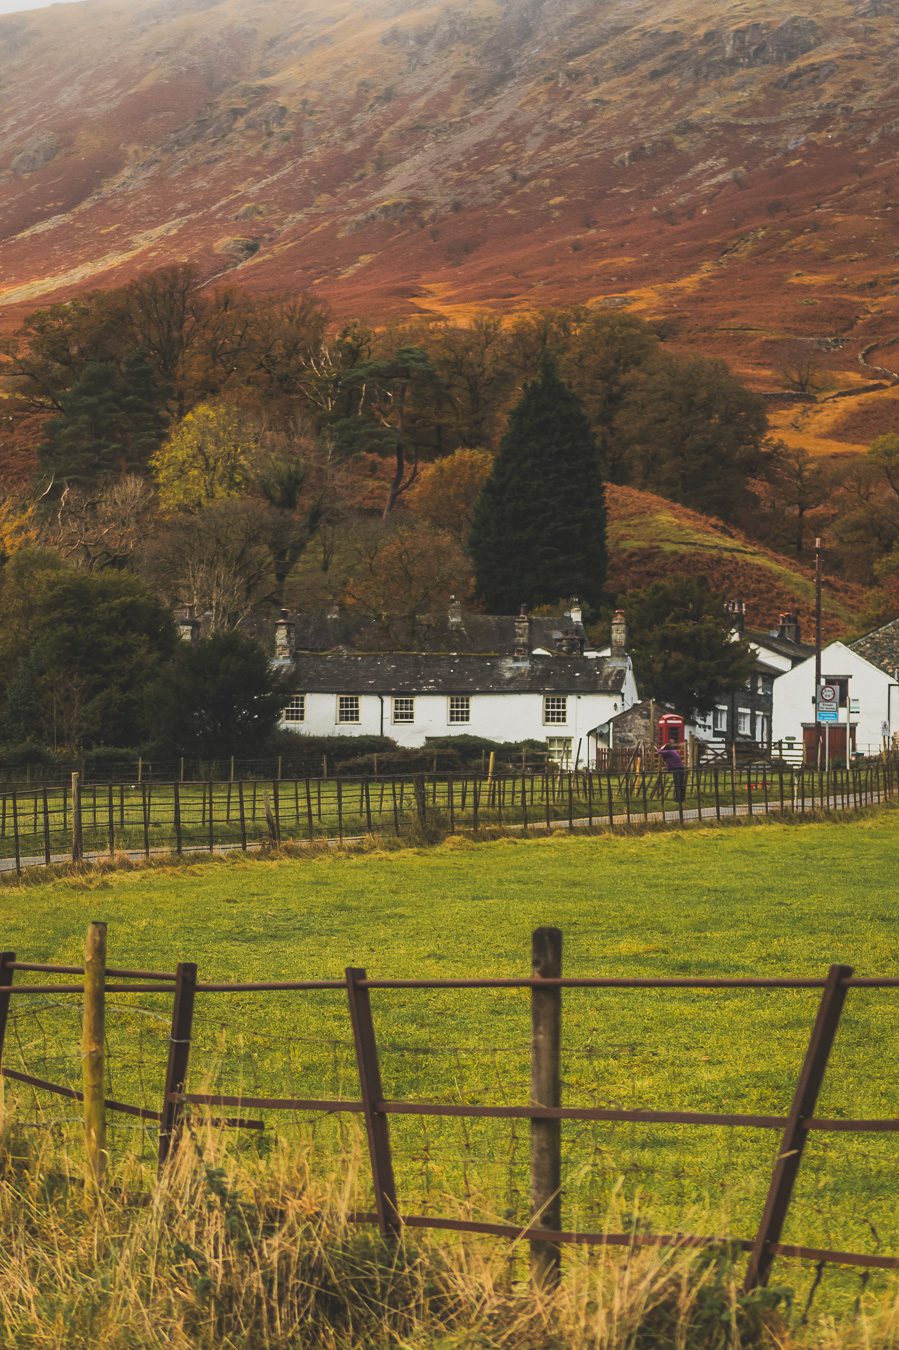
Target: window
761 729
559 749
719 722
744 718
555 708
403 708
460 708
294 709
348 707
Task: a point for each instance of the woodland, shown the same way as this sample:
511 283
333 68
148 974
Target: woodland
166 444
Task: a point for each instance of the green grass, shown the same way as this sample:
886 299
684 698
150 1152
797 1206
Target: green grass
773 900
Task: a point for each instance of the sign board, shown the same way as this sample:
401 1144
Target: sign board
828 701
854 705
828 715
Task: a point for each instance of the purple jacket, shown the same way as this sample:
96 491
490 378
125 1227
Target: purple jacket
672 757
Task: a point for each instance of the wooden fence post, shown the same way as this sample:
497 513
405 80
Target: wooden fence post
179 1054
176 817
376 1125
45 805
421 803
789 1155
77 835
546 1090
93 1044
6 979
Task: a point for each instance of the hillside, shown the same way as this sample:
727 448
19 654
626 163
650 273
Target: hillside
729 169
651 539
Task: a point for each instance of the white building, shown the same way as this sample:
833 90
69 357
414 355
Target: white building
866 676
555 696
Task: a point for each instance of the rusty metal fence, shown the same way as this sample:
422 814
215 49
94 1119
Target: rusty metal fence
796 1126
90 821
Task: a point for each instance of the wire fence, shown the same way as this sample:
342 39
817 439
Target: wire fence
79 821
483 1123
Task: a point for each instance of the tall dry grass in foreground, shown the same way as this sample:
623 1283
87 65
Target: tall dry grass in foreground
258 1254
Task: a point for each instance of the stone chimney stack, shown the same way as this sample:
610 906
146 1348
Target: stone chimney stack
789 628
285 637
618 652
575 613
737 611
189 626
522 648
454 615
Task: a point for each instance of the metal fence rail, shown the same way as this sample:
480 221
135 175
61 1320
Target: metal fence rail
545 1111
82 821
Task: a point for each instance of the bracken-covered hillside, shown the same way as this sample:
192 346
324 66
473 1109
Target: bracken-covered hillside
727 167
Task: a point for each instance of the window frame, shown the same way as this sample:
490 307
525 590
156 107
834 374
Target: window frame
291 699
348 721
719 717
402 698
552 721
452 721
744 714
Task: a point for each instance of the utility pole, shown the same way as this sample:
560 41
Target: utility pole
818 551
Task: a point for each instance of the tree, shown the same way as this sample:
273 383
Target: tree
84 651
109 423
217 559
206 459
447 491
682 645
689 430
538 534
402 572
218 698
103 528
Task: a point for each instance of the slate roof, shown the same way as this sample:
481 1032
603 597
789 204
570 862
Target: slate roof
437 673
880 647
796 651
478 633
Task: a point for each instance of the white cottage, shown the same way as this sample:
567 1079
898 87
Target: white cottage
555 696
866 676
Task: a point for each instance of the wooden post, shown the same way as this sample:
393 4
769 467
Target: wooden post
110 820
179 1054
176 818
421 805
789 1154
372 1094
93 1044
270 819
77 836
6 979
145 818
242 815
140 768
181 770
546 1090
46 812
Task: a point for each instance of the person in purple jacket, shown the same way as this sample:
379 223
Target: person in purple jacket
673 761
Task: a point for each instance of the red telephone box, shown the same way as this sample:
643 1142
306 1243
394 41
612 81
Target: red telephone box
672 730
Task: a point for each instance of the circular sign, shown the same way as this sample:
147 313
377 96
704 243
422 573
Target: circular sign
828 693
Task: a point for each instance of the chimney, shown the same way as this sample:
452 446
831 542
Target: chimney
285 637
333 610
522 648
789 628
454 616
189 626
575 613
618 652
737 611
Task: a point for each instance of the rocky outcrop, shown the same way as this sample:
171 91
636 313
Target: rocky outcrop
764 44
39 151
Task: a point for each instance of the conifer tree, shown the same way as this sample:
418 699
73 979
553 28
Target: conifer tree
539 529
110 422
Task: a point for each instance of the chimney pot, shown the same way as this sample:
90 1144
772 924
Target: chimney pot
455 613
189 626
618 652
575 613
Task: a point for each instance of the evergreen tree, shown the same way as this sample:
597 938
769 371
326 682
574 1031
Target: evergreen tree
683 646
539 528
109 424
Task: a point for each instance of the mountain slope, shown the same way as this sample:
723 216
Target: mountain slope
729 168
651 539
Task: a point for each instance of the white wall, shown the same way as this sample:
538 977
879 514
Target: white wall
497 717
794 692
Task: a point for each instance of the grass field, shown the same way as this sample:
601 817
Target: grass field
776 899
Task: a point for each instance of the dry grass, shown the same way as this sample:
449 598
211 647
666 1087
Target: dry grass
261 1253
